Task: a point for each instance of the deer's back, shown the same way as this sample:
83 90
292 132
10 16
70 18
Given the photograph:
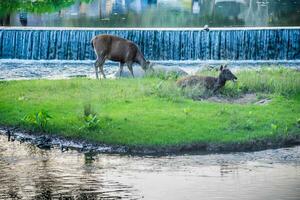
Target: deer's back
114 48
189 81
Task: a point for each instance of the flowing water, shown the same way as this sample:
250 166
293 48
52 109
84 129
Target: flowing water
27 172
156 44
15 69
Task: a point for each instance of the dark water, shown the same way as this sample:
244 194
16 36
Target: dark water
151 13
27 172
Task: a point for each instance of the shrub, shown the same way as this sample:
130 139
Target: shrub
39 119
90 119
90 122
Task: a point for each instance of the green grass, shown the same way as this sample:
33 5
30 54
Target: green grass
152 111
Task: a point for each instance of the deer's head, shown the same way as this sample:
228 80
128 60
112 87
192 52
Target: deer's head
147 66
226 74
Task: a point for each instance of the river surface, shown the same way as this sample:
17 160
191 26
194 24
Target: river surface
27 172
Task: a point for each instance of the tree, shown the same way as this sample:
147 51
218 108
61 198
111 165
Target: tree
7 7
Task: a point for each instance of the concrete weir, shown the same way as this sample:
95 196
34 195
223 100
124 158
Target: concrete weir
35 43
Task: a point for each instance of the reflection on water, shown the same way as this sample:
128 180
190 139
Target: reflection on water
27 172
151 13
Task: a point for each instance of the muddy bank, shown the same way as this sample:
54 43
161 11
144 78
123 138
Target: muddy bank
45 141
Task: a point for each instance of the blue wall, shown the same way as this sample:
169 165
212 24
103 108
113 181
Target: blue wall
241 44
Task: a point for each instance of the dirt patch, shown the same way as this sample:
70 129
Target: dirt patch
244 99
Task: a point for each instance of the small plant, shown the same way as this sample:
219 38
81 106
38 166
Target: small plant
90 118
286 130
274 128
39 119
187 111
90 122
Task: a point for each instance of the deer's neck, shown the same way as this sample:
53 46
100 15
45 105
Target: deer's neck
140 59
220 81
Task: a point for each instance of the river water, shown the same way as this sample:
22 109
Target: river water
17 69
27 172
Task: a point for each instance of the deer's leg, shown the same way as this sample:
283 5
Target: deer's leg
100 64
121 68
215 90
96 69
129 65
101 70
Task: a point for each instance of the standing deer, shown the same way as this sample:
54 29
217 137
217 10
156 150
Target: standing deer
210 83
109 47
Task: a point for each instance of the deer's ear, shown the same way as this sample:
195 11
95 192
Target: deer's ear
221 68
225 66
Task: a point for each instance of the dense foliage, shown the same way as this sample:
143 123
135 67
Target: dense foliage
34 6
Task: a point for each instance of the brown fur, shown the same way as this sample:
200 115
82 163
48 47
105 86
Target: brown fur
189 81
210 83
109 47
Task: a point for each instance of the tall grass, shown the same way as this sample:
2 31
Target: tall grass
165 89
280 81
263 81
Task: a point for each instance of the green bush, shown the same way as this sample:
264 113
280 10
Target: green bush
39 120
90 119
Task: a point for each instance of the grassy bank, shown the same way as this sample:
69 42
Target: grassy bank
153 111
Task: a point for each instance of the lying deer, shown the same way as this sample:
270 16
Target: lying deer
109 47
210 83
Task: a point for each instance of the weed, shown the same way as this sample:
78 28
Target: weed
90 122
90 118
274 128
39 119
187 111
